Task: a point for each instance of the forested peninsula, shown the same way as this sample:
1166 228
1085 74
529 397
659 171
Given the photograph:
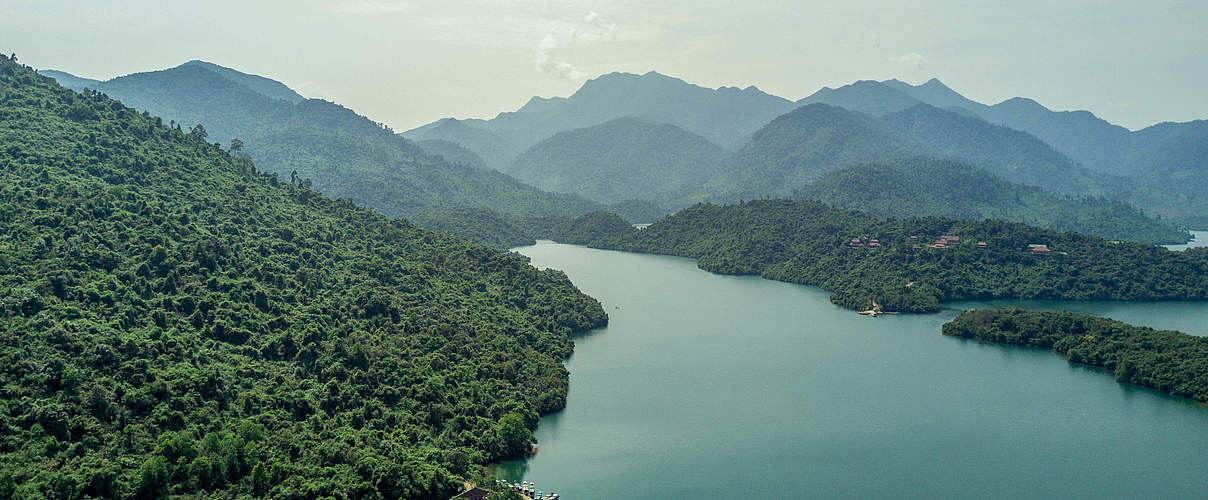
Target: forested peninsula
179 323
1169 361
910 264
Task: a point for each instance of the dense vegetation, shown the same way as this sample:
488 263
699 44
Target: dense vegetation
343 154
810 243
799 146
622 159
177 322
921 186
1169 361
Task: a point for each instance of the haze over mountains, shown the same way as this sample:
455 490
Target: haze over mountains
344 154
1069 153
645 145
1166 161
725 116
921 186
622 159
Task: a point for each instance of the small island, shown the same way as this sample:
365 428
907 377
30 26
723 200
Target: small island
1172 362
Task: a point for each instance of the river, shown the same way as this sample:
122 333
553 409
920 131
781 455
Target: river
710 386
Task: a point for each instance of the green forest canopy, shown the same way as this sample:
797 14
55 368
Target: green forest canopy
178 323
810 243
1169 361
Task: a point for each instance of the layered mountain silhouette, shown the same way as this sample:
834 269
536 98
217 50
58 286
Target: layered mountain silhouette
622 159
1167 161
344 154
800 146
725 116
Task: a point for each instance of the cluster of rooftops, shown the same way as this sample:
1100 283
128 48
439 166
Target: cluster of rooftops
944 241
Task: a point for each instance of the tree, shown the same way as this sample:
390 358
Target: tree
515 437
198 133
236 147
153 477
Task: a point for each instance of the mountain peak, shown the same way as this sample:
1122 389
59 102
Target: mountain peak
267 87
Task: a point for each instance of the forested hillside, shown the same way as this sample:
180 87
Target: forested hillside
178 323
1013 155
908 264
1169 361
623 159
922 186
800 146
343 154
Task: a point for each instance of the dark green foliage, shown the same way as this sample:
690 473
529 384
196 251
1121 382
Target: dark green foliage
622 159
807 242
1169 361
177 322
921 186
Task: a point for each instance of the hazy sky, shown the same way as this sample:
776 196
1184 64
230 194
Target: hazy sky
408 62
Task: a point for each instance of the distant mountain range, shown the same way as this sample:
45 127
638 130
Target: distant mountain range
344 154
644 145
725 116
800 146
776 146
622 159
1168 162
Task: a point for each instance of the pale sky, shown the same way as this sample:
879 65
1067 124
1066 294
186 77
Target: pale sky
408 62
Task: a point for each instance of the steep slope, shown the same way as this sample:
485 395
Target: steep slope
1011 154
344 154
494 150
451 152
69 80
178 323
264 86
619 160
725 116
798 147
920 187
1081 135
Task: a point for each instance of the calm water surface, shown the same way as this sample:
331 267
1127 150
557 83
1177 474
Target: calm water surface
1199 239
708 386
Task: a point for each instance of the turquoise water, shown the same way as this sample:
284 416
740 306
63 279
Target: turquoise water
708 386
